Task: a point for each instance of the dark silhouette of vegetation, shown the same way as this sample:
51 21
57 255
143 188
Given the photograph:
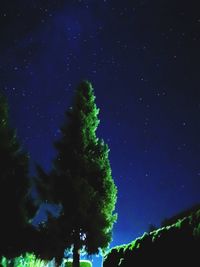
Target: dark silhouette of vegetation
180 215
174 244
16 206
151 228
81 181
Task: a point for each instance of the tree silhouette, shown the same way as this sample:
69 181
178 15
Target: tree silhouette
81 179
15 205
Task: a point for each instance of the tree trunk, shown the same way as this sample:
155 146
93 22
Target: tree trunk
76 250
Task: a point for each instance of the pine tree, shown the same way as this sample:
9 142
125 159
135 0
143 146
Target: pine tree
81 178
14 188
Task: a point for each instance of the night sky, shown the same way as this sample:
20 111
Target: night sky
143 59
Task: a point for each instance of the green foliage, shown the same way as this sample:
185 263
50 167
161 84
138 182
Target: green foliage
178 242
29 260
196 232
4 262
83 263
81 180
14 188
181 215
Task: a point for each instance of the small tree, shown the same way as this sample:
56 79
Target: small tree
14 188
81 179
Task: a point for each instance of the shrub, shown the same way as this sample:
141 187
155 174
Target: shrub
178 242
83 263
28 260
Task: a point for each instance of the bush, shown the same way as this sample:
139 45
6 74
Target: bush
28 260
178 243
83 263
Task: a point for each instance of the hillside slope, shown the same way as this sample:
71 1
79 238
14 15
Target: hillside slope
178 243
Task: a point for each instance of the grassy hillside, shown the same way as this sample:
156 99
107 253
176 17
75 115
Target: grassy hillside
178 243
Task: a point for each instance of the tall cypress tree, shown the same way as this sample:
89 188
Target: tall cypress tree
14 188
81 179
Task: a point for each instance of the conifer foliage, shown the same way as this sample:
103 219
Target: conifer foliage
81 179
14 187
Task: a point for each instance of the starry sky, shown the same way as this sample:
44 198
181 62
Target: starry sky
143 59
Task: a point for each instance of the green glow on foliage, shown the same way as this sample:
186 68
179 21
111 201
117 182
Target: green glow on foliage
4 262
83 263
175 243
81 179
29 260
